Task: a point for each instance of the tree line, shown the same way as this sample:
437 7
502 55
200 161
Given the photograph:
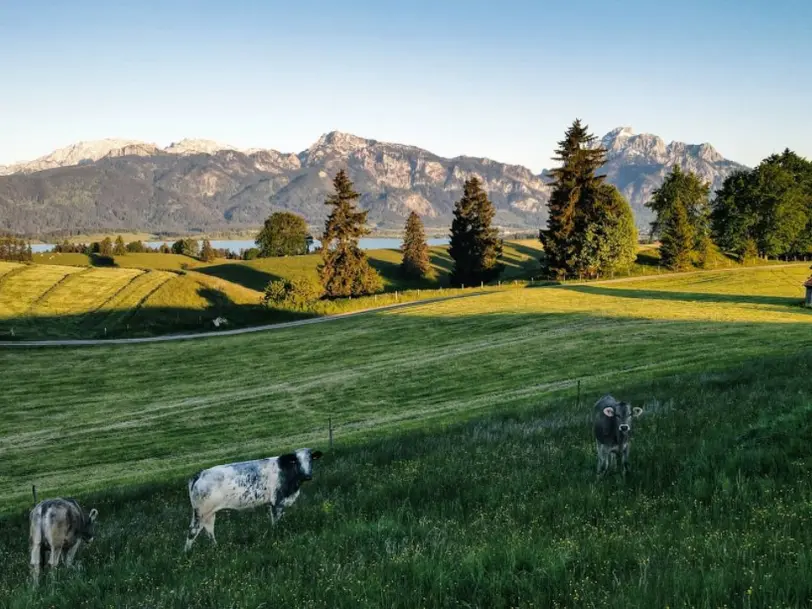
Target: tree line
15 250
764 212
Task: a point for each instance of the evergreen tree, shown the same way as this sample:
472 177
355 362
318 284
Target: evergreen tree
345 270
572 202
677 238
475 246
415 263
284 234
119 249
610 240
207 253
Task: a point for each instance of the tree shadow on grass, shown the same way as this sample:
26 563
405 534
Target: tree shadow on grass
102 261
241 274
782 301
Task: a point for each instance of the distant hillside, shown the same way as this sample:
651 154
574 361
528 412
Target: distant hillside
200 185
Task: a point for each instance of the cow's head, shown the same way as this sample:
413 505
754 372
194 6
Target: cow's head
89 529
305 457
622 413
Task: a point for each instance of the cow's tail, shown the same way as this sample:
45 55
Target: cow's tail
34 492
192 482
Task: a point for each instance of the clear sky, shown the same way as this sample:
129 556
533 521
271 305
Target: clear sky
495 78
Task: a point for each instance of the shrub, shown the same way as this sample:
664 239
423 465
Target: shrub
299 293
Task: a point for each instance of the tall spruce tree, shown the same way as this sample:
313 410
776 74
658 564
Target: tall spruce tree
677 239
583 214
475 246
345 269
574 185
415 263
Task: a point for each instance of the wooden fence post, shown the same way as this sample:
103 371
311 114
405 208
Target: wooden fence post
330 430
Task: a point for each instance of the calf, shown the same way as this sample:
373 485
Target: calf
274 481
60 525
613 431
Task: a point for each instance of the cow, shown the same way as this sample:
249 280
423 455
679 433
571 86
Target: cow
274 482
613 431
60 525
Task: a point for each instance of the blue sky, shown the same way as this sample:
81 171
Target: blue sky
501 79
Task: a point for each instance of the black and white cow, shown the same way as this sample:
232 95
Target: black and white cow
274 482
60 525
613 431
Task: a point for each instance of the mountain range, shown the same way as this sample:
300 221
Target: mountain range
200 185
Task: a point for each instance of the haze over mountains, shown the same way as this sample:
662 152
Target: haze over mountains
200 185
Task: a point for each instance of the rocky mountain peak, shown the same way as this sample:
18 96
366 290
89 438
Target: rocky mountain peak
149 188
196 146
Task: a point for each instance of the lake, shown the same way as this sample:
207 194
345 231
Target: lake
366 243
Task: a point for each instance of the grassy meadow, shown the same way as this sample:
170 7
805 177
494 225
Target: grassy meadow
147 294
463 471
152 294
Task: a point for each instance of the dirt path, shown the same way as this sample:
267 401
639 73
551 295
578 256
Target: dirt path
329 318
215 333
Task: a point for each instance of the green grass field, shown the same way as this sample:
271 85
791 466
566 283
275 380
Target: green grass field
188 302
463 472
227 288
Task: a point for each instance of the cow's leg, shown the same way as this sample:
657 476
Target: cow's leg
194 529
207 521
36 552
69 556
276 511
56 553
625 459
603 459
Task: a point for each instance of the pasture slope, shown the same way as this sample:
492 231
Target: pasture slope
463 473
182 294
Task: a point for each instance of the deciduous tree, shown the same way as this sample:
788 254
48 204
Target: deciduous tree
284 234
119 249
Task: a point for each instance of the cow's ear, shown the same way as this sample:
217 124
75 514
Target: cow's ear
637 411
316 455
609 411
93 513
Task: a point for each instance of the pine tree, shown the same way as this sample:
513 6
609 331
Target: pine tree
207 253
677 238
415 263
119 249
572 203
475 246
345 270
